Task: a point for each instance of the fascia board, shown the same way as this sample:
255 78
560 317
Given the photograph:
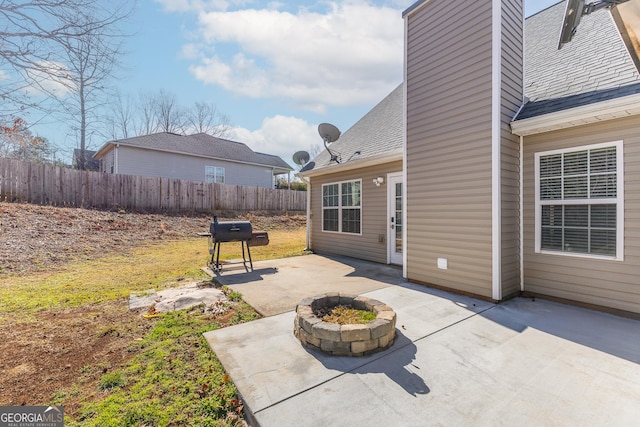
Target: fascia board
593 113
355 164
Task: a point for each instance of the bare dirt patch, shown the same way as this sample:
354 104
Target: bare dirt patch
43 358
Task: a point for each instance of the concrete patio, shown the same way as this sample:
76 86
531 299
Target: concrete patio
455 360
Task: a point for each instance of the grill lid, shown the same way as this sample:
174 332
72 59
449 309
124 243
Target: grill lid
230 231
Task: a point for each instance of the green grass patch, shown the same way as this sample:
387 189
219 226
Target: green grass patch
175 379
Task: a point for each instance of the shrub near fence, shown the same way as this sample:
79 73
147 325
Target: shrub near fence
46 184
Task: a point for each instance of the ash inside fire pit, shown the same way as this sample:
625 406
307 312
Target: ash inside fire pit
348 339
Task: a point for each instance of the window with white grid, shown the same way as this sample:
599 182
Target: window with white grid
341 207
579 201
214 174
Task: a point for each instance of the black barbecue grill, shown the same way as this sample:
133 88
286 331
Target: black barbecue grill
233 231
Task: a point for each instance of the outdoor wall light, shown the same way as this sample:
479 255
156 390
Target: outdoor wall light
379 180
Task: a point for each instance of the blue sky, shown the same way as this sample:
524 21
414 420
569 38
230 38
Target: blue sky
277 69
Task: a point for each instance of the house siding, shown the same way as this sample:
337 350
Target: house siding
448 149
141 162
613 284
511 100
107 162
374 215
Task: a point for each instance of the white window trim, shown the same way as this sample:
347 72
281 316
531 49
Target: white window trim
215 168
340 207
618 201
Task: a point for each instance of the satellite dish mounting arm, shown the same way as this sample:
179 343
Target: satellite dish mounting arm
334 157
575 10
592 7
329 133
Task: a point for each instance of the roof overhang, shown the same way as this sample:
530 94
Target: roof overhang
103 150
380 159
415 6
616 108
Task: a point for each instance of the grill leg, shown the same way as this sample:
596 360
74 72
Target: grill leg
217 266
249 252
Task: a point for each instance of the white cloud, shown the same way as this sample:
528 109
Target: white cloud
351 54
279 135
49 79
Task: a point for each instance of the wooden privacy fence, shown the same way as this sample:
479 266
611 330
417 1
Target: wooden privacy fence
52 185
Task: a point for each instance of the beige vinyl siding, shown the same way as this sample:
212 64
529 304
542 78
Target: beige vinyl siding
449 145
614 284
374 215
511 99
141 162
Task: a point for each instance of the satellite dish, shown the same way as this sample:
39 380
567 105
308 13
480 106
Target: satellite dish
572 16
328 132
301 158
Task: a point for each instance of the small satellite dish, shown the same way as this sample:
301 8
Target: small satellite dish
572 16
301 158
328 132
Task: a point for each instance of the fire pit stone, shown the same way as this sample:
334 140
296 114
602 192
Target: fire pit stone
349 339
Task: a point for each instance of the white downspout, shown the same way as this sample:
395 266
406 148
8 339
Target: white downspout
496 128
115 159
308 181
521 216
405 181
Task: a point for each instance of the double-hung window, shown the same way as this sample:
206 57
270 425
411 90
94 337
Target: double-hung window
580 201
214 174
341 207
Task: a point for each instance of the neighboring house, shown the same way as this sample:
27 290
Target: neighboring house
90 163
198 157
521 161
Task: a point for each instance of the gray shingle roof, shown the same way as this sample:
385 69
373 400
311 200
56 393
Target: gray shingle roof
378 132
593 67
204 145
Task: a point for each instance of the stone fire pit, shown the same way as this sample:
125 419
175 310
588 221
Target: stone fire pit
344 340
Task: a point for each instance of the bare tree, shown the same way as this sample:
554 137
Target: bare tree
145 113
169 116
27 31
67 49
203 117
161 112
121 119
